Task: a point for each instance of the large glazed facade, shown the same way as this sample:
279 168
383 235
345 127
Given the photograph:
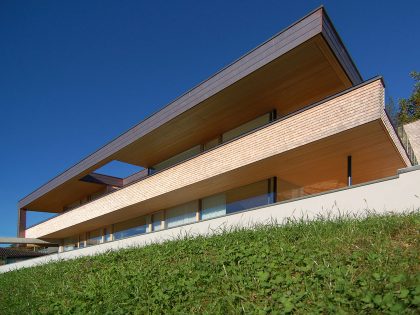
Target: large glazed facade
291 118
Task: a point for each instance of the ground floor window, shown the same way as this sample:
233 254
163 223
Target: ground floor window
238 199
70 243
130 227
183 214
246 197
108 234
94 237
213 206
157 220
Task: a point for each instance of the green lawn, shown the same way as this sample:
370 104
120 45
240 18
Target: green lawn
348 266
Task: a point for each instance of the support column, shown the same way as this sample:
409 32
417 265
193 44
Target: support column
349 171
274 192
61 248
197 213
21 224
149 223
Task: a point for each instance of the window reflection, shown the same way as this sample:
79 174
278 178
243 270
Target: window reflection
94 237
130 227
70 243
183 214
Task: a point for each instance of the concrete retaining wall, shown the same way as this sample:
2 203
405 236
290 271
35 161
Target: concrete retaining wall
396 194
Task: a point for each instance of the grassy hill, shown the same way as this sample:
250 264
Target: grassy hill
348 266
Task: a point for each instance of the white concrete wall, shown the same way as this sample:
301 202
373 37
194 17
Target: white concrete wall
397 194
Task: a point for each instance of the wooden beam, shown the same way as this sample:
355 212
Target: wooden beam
21 224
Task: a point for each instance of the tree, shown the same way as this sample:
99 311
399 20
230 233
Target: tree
409 108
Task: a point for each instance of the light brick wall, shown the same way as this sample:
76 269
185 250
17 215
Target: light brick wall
344 112
413 133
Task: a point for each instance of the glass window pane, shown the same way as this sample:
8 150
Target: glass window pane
213 206
250 196
82 240
288 190
177 158
70 243
157 219
182 214
94 237
244 128
130 227
107 234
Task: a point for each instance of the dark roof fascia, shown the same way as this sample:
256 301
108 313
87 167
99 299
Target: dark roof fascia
299 32
336 44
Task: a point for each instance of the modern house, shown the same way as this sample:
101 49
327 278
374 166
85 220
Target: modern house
290 119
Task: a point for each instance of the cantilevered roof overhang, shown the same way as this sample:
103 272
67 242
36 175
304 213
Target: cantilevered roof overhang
302 64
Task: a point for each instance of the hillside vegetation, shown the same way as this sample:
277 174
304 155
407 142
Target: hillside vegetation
355 266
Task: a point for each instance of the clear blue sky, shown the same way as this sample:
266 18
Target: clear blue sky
75 74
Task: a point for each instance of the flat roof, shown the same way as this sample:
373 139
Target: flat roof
315 23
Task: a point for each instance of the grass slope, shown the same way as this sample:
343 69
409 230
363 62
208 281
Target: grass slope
347 266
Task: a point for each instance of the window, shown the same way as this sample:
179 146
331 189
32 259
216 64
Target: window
238 199
182 214
250 196
213 206
82 240
157 219
244 128
130 227
70 243
94 237
108 234
177 158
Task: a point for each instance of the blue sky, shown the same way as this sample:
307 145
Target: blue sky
76 74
